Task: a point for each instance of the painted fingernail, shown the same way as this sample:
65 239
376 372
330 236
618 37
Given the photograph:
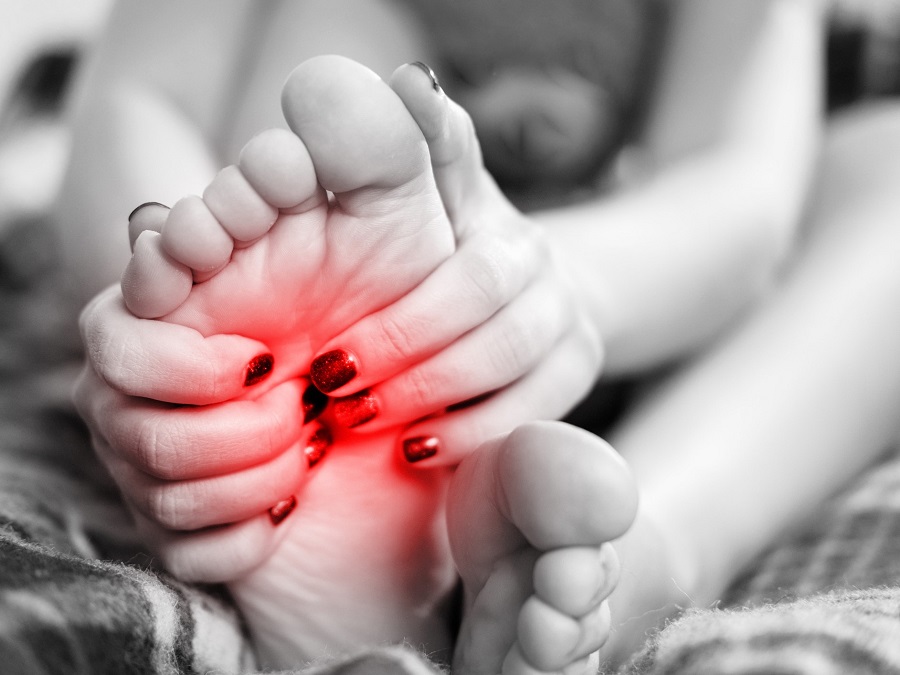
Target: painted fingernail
333 369
428 71
282 510
132 214
317 446
258 369
352 411
314 402
417 448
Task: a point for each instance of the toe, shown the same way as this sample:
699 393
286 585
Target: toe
193 236
452 144
546 636
240 210
575 580
150 216
154 283
552 641
358 132
276 163
564 486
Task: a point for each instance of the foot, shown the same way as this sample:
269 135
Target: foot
647 593
530 517
309 233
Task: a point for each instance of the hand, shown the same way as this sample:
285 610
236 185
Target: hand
207 485
498 323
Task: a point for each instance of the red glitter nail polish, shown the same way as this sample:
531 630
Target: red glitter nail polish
314 403
417 448
282 510
317 446
333 369
352 411
258 369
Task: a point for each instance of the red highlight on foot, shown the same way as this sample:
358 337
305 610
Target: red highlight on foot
317 446
258 369
282 510
352 411
417 448
333 369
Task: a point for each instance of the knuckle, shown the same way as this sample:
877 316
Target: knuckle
168 505
419 389
160 447
400 335
490 271
516 347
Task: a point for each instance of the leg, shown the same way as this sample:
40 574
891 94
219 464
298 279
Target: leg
750 438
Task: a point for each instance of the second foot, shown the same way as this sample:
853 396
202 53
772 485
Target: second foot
530 517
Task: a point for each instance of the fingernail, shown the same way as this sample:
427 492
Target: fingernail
417 448
258 369
333 369
428 71
314 402
282 510
317 446
352 411
131 215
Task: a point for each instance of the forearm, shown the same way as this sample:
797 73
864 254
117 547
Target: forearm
667 263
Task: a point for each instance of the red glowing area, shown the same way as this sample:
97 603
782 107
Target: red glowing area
317 446
356 410
282 510
259 369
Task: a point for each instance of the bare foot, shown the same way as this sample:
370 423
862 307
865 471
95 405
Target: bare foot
530 517
309 233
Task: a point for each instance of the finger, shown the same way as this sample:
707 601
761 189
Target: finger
215 555
490 357
469 287
167 362
548 391
206 502
184 443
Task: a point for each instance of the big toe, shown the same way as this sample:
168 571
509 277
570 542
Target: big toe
563 486
358 132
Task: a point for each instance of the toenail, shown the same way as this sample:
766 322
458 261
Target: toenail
353 411
428 71
333 369
417 448
282 510
317 446
145 204
258 369
314 402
